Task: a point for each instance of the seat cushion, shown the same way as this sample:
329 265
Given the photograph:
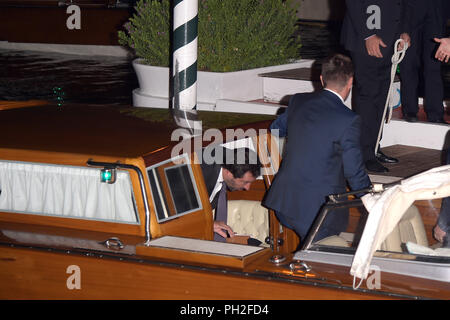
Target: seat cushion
248 217
334 241
409 229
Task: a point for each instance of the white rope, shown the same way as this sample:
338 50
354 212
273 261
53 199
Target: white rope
397 57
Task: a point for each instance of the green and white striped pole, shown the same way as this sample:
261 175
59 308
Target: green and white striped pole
185 35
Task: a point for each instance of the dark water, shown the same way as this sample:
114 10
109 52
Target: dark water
319 40
29 75
26 75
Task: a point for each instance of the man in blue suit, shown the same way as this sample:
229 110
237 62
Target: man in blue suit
323 152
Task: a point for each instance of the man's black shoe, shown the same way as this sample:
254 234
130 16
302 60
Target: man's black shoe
375 166
438 121
381 157
410 117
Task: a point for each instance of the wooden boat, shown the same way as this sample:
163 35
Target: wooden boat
135 242
55 22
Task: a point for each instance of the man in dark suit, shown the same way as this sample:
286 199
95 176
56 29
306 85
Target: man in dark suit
369 31
427 22
322 152
232 170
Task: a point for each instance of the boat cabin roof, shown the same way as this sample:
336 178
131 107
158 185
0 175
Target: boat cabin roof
119 131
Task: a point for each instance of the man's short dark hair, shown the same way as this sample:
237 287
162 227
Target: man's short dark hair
241 160
337 69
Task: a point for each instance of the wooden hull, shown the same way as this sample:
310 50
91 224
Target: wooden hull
40 274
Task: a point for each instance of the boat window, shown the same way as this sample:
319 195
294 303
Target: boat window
66 191
174 192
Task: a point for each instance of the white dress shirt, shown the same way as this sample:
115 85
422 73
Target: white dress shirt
217 187
336 94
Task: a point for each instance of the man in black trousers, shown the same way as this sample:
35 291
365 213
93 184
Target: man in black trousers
369 31
428 22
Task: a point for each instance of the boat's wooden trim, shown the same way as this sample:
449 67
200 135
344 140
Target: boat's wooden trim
7 105
282 239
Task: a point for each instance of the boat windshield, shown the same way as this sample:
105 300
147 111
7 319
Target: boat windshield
395 223
409 237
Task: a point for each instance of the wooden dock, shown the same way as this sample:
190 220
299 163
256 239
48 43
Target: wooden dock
412 160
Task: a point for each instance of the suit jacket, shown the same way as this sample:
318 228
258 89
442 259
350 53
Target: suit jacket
432 12
395 17
323 152
281 122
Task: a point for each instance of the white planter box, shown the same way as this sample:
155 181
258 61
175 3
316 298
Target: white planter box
243 85
153 81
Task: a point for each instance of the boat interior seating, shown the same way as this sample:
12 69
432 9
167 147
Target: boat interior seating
409 229
248 217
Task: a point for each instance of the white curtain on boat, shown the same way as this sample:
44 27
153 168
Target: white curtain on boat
386 210
65 191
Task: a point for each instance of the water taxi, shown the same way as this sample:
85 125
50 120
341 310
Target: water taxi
110 203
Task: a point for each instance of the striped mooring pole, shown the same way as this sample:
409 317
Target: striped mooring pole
185 35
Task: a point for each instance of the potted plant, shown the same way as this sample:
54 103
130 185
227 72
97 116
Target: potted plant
232 36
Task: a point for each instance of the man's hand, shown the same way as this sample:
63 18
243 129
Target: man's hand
405 37
373 44
221 227
443 52
439 234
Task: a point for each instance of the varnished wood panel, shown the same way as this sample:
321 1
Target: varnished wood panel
28 274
